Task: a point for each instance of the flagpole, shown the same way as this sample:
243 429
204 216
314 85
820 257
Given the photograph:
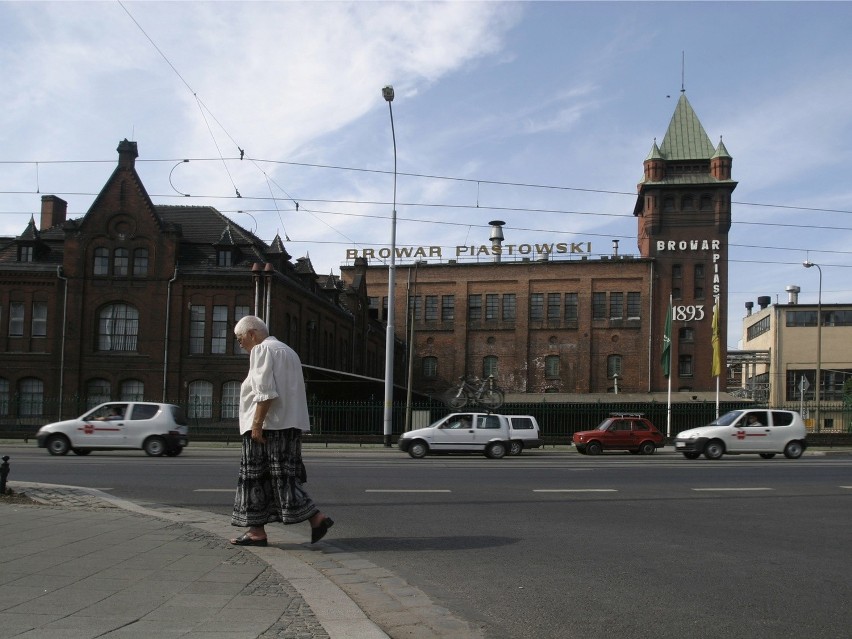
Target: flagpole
667 348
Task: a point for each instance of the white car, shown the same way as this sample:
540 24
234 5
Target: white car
486 433
766 432
158 429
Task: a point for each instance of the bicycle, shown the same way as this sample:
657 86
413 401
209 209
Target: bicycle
475 391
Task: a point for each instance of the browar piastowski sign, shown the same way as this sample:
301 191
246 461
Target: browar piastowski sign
483 250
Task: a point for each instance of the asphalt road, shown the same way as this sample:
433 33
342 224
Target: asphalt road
554 544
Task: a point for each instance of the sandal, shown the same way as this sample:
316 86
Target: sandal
245 540
318 532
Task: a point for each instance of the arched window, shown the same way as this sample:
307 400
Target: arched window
97 392
121 260
4 396
230 400
686 334
30 397
430 367
101 264
132 390
140 262
200 399
687 203
706 203
489 366
118 328
613 366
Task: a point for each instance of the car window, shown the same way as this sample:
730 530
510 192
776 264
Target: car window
640 426
781 418
754 418
621 425
144 411
727 419
488 421
521 423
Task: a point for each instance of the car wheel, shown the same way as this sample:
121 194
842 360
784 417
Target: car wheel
767 455
418 449
81 451
154 446
714 449
58 445
497 450
692 455
516 448
647 448
594 448
793 450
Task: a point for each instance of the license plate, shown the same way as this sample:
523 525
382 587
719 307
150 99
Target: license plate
680 444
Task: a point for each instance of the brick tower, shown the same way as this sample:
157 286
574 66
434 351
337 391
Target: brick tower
683 209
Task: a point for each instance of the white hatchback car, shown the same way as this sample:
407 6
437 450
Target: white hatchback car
158 429
766 432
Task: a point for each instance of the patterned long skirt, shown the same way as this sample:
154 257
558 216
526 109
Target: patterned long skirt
269 487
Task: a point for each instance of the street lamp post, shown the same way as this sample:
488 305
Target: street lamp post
808 264
387 93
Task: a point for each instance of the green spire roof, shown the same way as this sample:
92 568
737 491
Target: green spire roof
686 138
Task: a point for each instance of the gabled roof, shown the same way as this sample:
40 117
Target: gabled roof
685 138
30 233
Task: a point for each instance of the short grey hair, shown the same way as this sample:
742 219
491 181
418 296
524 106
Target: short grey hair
251 323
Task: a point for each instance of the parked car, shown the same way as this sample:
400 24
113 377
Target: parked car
620 431
486 433
158 429
761 431
523 433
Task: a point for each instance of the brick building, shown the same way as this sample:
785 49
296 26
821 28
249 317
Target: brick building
561 318
138 301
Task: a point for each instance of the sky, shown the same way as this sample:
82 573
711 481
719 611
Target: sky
539 114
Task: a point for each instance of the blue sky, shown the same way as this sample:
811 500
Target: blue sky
494 101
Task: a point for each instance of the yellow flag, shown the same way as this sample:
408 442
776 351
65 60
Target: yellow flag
716 368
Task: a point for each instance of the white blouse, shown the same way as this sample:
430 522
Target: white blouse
275 372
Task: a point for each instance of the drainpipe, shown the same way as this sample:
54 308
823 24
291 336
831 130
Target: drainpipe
168 314
62 345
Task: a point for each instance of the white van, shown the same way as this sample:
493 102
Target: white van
766 432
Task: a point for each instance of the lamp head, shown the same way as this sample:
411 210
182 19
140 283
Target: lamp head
387 93
807 264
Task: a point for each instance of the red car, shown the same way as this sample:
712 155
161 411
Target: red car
622 431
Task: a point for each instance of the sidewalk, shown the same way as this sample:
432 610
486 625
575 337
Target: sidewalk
83 564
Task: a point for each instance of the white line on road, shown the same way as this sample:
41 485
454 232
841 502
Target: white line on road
575 490
214 490
849 487
728 489
391 490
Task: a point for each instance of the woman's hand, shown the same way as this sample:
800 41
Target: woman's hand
257 434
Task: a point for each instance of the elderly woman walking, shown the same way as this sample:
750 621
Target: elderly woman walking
273 415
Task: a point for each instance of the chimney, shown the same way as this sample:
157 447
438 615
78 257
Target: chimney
793 294
53 211
496 238
749 306
763 301
127 153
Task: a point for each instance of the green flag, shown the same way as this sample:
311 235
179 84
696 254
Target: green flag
666 360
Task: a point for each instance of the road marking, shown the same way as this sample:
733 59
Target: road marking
849 487
401 490
213 490
729 489
575 490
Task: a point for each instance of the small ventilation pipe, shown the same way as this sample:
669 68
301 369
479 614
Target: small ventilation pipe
496 238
